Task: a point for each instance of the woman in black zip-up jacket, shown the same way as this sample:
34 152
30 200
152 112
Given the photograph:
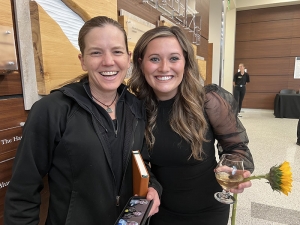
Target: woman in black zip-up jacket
81 136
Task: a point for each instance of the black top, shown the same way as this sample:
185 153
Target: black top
188 184
240 79
115 133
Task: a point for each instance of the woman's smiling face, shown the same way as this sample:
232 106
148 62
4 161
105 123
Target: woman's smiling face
105 58
163 66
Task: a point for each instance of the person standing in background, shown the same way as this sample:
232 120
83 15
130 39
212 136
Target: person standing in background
240 80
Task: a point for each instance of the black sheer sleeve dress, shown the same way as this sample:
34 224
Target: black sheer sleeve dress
188 184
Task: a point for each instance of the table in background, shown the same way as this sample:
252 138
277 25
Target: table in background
287 106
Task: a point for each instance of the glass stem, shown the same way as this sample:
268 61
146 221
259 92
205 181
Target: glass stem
225 194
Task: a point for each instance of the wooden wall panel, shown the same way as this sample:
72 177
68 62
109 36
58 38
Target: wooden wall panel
148 13
12 113
271 30
263 48
9 141
5 175
202 49
266 84
93 8
295 28
268 51
273 13
267 66
296 13
203 8
51 49
268 30
10 84
295 47
243 32
244 17
5 13
140 9
259 101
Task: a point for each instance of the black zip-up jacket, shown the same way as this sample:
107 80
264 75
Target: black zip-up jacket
65 138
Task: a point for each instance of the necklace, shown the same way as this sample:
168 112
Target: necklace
109 110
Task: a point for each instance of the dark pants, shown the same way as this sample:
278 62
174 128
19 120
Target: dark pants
239 94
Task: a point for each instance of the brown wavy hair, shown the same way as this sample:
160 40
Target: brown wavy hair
187 117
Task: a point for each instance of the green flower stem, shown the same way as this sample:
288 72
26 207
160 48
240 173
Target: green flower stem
256 177
233 214
234 210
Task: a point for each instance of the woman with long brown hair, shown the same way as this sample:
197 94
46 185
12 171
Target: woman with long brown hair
184 121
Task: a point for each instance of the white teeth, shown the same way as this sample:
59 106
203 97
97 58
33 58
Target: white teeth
109 73
164 78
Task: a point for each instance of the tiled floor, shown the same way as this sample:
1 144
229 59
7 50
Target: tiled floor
272 141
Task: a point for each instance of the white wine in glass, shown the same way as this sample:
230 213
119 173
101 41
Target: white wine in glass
229 174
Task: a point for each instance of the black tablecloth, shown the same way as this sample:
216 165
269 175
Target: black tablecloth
287 106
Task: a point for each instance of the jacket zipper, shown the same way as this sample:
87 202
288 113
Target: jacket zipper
116 127
118 201
128 159
116 132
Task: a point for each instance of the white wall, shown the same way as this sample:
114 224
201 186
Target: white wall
215 18
229 51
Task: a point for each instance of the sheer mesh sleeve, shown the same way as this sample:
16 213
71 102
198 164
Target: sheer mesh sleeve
221 109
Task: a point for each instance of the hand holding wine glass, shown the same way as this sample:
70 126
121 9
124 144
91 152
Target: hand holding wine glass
229 174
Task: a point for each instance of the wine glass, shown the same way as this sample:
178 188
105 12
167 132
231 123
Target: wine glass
229 174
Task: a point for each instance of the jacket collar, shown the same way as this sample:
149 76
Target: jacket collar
81 93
